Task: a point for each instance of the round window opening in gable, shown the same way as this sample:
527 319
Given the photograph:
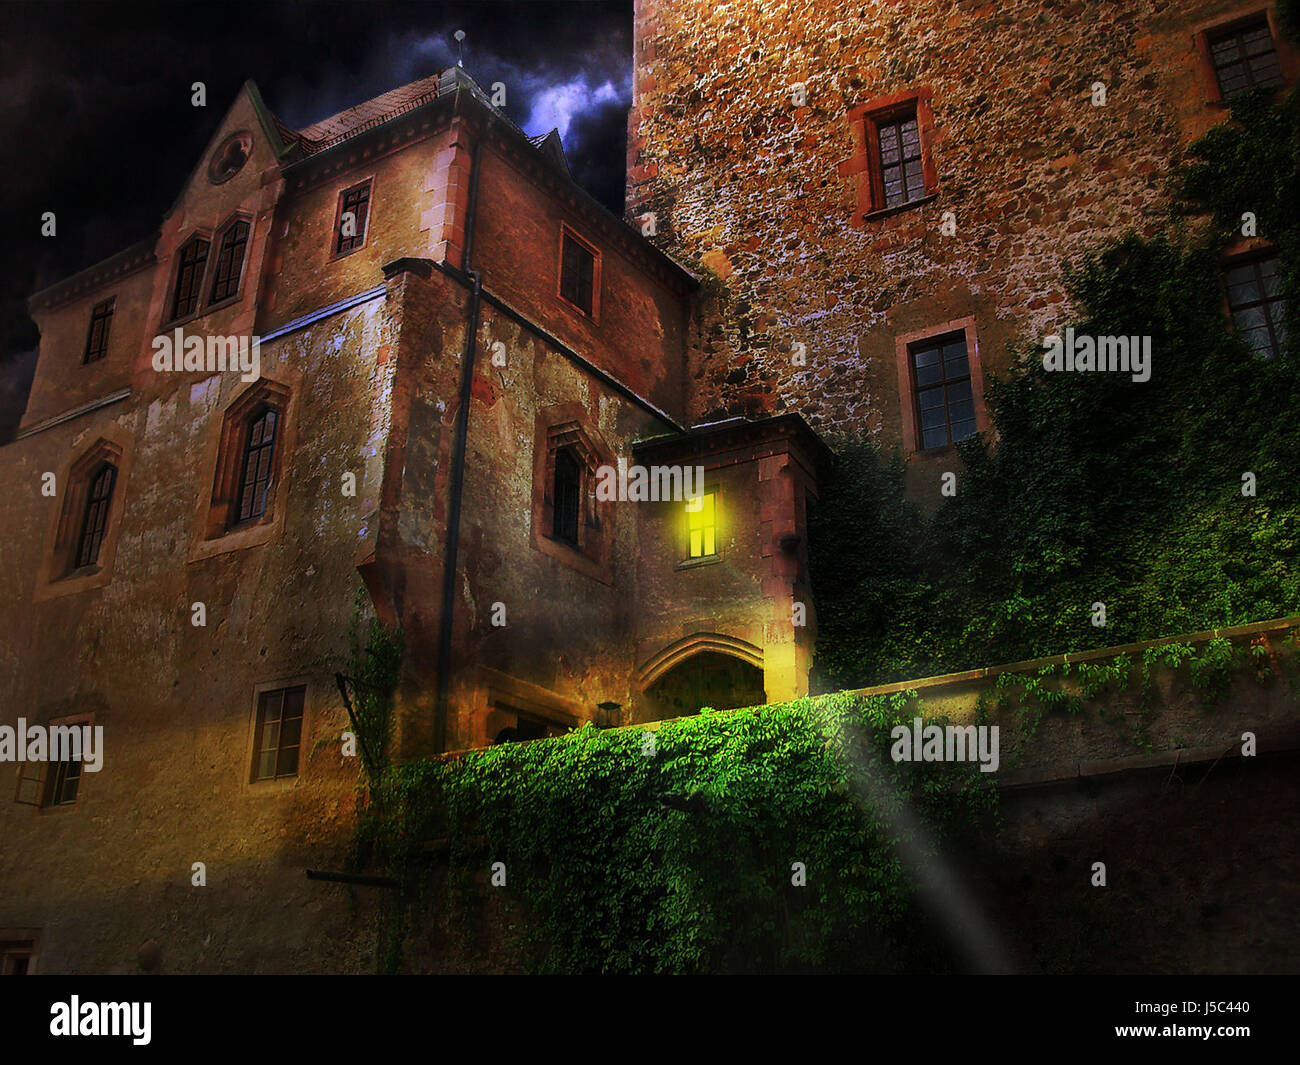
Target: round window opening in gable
229 159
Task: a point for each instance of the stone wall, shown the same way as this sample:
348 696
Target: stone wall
758 186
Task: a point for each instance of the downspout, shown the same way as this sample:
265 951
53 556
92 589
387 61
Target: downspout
458 468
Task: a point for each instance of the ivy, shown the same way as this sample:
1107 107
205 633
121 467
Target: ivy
1098 488
371 672
681 861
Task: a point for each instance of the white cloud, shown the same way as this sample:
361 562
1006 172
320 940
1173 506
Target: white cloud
556 106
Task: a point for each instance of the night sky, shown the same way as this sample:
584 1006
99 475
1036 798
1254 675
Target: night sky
98 126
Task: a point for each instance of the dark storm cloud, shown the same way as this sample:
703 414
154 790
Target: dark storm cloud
96 122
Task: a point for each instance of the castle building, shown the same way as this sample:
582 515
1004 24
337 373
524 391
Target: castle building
570 455
887 192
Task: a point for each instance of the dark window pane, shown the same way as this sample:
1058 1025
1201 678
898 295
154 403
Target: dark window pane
230 262
278 733
567 496
577 272
931 397
947 412
100 320
929 375
902 178
94 523
189 277
1255 300
962 430
259 454
354 203
1245 58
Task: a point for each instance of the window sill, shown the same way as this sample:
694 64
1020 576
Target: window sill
574 308
236 538
271 786
335 256
696 563
78 580
942 451
229 301
885 212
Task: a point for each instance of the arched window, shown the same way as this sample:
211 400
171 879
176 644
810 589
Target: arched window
568 496
230 262
189 277
255 473
95 520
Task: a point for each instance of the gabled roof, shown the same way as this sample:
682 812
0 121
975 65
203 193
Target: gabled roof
363 116
549 144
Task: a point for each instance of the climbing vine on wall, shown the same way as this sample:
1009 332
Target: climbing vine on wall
1098 488
370 673
681 857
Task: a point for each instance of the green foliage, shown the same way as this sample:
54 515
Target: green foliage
373 668
612 879
1098 488
1212 670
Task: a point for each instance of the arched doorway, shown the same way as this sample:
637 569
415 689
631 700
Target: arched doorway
706 678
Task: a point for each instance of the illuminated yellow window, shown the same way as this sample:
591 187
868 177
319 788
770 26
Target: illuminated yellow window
702 524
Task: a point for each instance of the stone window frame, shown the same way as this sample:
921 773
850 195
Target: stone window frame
335 253
1223 23
42 778
568 232
57 575
503 696
170 319
683 535
1239 253
12 938
95 353
311 713
911 424
214 255
241 138
568 425
215 529
864 165
280 747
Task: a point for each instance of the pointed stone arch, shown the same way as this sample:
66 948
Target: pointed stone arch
688 646
702 669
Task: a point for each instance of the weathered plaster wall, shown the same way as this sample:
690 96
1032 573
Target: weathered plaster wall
177 702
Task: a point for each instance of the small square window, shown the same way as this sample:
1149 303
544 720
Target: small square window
101 318
1245 57
16 956
702 525
278 734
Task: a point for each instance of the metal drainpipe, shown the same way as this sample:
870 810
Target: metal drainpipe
458 469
